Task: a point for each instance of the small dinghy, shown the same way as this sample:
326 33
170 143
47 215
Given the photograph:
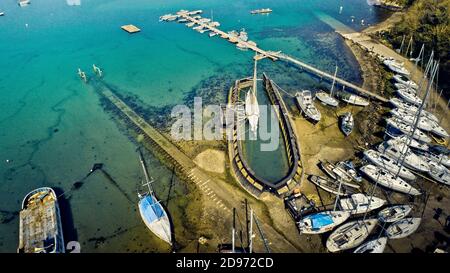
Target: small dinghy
331 186
322 222
409 96
389 164
360 203
407 129
353 99
403 115
347 123
350 235
412 109
405 81
306 106
388 180
402 154
403 228
409 141
372 246
394 213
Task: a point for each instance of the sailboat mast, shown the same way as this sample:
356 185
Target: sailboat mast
254 75
233 231
144 168
334 81
250 234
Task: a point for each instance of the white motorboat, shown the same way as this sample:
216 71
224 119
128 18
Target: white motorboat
212 34
350 235
388 180
407 129
403 228
360 203
322 222
394 213
383 161
347 123
402 152
405 81
305 104
372 246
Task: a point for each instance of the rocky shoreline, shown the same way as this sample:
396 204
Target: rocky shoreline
392 5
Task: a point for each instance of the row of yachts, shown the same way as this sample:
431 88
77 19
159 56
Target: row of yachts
394 165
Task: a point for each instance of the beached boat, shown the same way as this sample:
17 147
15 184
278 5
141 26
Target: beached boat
152 212
347 123
350 235
352 99
388 180
394 213
407 129
383 161
403 154
360 203
326 98
441 158
409 96
402 86
403 228
261 11
328 167
410 119
40 228
346 169
399 69
438 130
412 109
439 173
331 186
409 141
322 222
389 60
306 106
405 81
372 246
339 172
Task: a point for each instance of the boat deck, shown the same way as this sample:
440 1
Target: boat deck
131 28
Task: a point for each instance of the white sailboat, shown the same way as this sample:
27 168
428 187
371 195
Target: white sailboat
407 129
403 153
388 180
326 98
373 246
403 228
412 109
394 213
409 118
251 104
405 81
383 161
360 203
350 235
409 96
409 141
439 173
399 69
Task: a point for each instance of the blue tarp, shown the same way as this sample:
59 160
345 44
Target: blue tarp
320 220
150 208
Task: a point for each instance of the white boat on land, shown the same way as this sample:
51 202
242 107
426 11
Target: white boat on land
326 98
409 141
439 173
403 228
347 123
328 168
347 171
389 60
394 213
372 246
403 153
152 212
406 117
405 81
399 69
388 180
412 109
305 103
402 86
383 161
407 129
360 203
441 159
353 99
438 130
322 222
332 186
409 96
350 235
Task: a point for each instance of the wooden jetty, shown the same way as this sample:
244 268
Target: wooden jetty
274 56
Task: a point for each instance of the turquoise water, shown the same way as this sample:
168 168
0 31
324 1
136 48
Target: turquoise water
53 128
